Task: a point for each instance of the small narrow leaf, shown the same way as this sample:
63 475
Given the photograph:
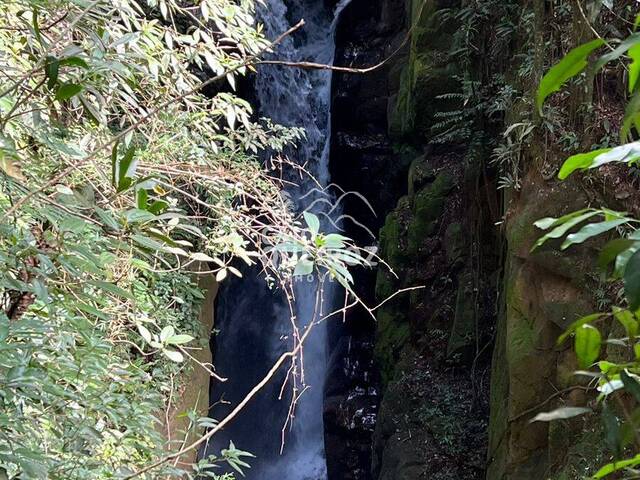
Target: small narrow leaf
560 414
313 222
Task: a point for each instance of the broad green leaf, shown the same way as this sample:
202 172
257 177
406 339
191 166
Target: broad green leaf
587 345
632 281
591 230
560 414
144 332
173 355
51 69
67 90
289 247
126 169
304 266
627 153
548 222
634 67
179 339
157 207
562 229
611 428
627 320
202 257
335 240
612 249
167 332
631 117
74 62
113 288
141 199
114 165
620 50
572 64
581 161
221 275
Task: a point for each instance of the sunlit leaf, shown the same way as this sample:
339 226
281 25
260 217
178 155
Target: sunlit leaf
572 64
560 414
587 345
581 161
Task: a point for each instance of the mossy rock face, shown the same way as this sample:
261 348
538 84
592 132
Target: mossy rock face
427 73
544 290
454 243
392 334
420 173
391 243
462 336
428 206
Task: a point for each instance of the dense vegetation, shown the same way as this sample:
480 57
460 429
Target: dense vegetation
615 375
127 165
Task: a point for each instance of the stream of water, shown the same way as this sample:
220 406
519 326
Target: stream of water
254 322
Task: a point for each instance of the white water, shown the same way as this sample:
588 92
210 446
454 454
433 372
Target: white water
255 324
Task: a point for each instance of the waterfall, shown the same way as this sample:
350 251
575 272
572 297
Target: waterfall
254 322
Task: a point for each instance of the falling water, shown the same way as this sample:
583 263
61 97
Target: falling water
255 322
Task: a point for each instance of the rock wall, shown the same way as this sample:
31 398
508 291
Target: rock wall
428 134
193 395
432 344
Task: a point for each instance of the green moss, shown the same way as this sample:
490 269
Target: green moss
428 206
386 284
464 324
392 334
390 240
521 335
454 243
427 72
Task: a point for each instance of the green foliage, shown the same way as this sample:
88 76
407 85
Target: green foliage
572 64
118 177
325 254
620 372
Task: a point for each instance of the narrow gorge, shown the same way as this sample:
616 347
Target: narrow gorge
320 239
444 383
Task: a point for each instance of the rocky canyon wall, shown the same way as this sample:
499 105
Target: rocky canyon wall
445 141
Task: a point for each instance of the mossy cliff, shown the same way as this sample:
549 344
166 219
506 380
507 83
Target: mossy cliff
468 359
433 342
